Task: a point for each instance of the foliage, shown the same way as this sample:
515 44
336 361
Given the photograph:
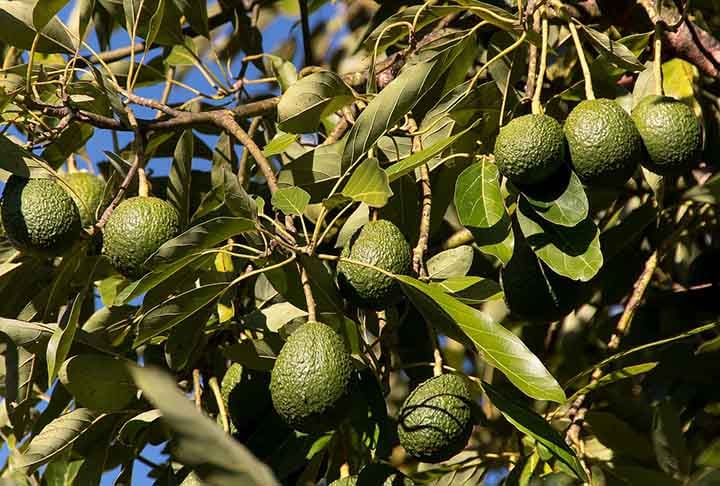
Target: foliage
268 167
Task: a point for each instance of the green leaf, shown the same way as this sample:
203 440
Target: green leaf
195 11
63 337
393 103
279 144
198 440
709 192
668 440
566 208
273 317
16 159
199 237
160 274
62 471
480 208
532 424
500 347
310 99
493 14
57 436
455 262
98 382
177 309
131 430
470 290
417 159
315 171
178 190
570 252
26 334
284 70
17 29
619 436
369 183
290 200
256 354
45 10
615 51
615 376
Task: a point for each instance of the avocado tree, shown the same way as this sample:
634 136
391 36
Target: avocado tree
311 242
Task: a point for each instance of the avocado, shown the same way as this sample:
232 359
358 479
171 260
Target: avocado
534 292
530 148
670 132
380 244
375 475
310 382
39 217
436 421
135 230
605 146
87 192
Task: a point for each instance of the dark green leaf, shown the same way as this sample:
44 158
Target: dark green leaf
532 424
471 290
310 99
500 347
216 457
566 207
617 375
668 440
616 52
570 252
455 262
63 337
16 29
178 190
290 200
98 382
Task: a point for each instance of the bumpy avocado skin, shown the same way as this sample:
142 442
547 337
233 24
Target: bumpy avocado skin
87 192
310 382
39 217
534 292
436 422
605 146
381 244
670 132
135 230
530 148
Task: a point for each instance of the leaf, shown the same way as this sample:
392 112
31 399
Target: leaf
26 334
643 347
310 99
668 440
470 290
62 471
274 317
16 22
619 436
369 183
570 252
177 309
178 190
63 337
290 200
421 157
615 376
455 262
480 208
568 208
45 10
201 236
196 13
393 103
279 144
500 347
493 14
709 192
131 430
315 171
199 442
532 424
256 354
16 159
57 436
98 382
615 51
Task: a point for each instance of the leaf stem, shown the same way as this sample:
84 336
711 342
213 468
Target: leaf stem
197 390
222 410
589 92
657 56
500 55
307 290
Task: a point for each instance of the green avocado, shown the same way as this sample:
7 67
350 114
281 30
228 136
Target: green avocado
534 292
380 244
310 382
87 192
605 146
530 148
39 216
670 132
436 421
135 230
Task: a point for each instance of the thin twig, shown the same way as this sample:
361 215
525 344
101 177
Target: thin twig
242 165
306 37
307 290
532 59
424 227
222 410
197 391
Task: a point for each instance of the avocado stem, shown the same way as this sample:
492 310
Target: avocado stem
589 93
536 106
657 58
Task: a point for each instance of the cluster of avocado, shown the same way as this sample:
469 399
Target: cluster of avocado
602 142
43 217
312 380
